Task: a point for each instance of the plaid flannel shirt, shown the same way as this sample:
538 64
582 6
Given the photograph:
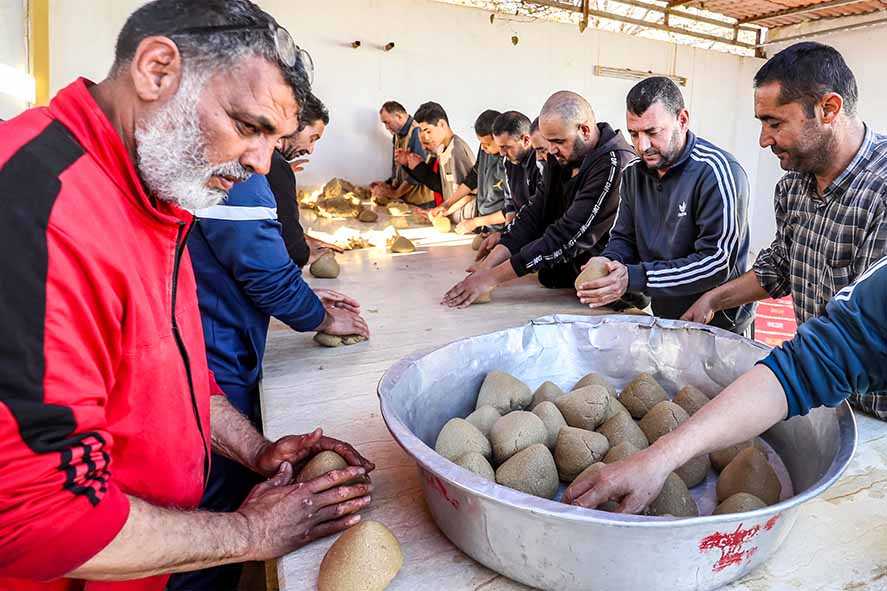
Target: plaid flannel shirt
823 243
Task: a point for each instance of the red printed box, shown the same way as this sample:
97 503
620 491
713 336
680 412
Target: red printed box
775 322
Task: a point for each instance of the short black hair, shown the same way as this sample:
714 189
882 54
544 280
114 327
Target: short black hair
313 110
209 50
483 125
393 107
514 123
655 89
431 113
534 126
808 71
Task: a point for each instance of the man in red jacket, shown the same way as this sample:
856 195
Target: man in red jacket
107 408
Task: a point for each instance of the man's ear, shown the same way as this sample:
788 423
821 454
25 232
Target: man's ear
585 131
684 118
832 104
156 69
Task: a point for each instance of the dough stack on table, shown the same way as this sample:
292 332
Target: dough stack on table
532 441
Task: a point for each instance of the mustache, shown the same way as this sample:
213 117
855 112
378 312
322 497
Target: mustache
232 170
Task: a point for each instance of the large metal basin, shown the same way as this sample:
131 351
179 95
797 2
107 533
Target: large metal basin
549 545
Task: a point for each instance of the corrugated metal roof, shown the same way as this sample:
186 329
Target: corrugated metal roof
780 13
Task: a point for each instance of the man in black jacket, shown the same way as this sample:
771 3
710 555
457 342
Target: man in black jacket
557 232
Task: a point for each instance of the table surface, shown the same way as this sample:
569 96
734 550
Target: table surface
838 543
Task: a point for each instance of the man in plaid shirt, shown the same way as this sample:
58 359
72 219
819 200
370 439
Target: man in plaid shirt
830 207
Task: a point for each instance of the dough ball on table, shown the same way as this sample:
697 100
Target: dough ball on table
368 216
514 432
484 298
596 269
619 452
330 340
622 428
442 224
691 399
320 464
366 557
722 457
353 339
478 240
459 437
594 379
751 473
402 245
478 464
641 395
553 420
325 267
662 418
532 471
483 418
585 408
739 503
576 450
674 499
547 391
504 392
608 506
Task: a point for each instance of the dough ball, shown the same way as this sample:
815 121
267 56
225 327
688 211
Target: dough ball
325 267
532 471
615 408
364 558
585 408
751 473
478 464
504 392
459 437
483 418
662 418
691 399
353 339
739 503
484 298
721 458
402 245
595 269
478 240
320 464
368 216
594 379
330 340
442 224
642 394
675 499
622 428
547 391
694 471
577 449
619 452
552 419
514 432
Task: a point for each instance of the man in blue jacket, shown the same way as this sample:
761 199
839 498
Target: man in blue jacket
839 355
682 226
244 276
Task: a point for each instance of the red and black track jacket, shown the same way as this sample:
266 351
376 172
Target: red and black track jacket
104 387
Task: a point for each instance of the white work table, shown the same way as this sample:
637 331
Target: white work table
838 543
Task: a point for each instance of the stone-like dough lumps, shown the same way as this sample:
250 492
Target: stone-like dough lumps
623 428
577 449
552 419
596 269
751 473
442 224
368 216
739 503
327 340
514 432
532 471
459 437
662 418
641 395
722 457
325 267
615 408
595 379
478 464
694 471
320 464
504 392
619 452
478 240
691 399
674 499
364 558
584 408
401 245
546 391
483 418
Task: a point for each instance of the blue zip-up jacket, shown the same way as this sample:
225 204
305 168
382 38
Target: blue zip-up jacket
841 354
244 276
685 233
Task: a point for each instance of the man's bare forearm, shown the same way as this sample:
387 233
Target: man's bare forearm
233 436
497 256
157 541
742 290
491 219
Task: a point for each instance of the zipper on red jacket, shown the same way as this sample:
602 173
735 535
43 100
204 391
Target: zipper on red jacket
181 240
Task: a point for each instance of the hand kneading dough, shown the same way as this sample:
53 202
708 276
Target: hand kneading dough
325 267
504 392
721 458
325 461
576 450
368 216
642 394
623 428
553 420
458 437
596 269
608 506
584 408
484 298
478 464
442 224
675 499
662 418
531 471
751 473
364 558
483 418
594 379
739 503
478 240
691 399
402 244
547 391
514 432
619 452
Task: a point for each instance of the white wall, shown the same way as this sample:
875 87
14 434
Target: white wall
13 50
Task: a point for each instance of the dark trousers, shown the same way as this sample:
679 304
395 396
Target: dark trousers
228 486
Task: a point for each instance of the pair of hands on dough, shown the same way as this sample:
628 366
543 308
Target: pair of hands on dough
480 278
606 290
407 158
343 315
